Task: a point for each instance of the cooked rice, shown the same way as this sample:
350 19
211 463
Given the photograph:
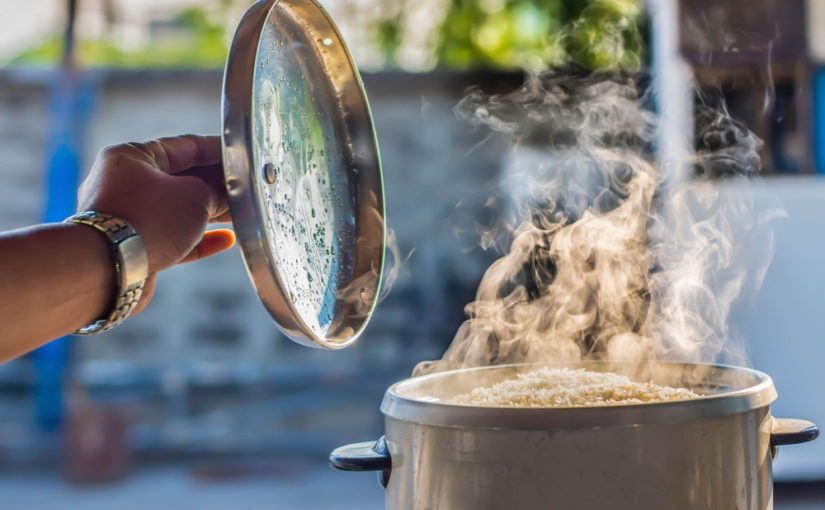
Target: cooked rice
562 387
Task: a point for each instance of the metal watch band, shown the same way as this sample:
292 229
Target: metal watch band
131 266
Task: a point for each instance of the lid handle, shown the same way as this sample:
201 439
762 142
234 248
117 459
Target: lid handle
367 456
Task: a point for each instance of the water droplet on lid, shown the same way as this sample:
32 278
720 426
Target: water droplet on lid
327 42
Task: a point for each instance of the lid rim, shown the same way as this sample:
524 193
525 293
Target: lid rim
755 396
238 136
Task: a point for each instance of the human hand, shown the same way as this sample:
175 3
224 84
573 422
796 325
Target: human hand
169 190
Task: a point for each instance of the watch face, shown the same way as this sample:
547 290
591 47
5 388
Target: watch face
303 173
135 261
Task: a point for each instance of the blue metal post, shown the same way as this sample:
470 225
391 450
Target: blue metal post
819 120
71 103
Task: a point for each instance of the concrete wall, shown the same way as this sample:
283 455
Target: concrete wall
206 330
208 310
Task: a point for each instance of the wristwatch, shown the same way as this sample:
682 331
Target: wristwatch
131 266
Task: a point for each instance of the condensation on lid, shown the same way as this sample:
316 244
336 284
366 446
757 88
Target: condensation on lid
306 188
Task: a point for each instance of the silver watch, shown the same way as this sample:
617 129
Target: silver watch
131 266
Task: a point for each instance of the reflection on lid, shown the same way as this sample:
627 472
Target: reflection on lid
298 207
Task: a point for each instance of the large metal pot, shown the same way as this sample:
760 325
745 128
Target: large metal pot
713 452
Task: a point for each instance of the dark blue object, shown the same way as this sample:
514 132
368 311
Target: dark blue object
790 431
368 456
819 120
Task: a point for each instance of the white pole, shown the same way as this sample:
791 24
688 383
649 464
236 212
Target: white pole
673 84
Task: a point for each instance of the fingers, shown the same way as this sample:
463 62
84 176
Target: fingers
224 217
213 242
177 154
213 177
146 296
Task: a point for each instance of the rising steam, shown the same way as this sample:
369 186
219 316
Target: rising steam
609 256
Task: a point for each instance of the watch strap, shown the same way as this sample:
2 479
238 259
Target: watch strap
131 266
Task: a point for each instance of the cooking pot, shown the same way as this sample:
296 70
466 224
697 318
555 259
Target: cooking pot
712 452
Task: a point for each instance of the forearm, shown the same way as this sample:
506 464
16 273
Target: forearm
54 279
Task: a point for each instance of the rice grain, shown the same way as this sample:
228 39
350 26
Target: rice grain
563 387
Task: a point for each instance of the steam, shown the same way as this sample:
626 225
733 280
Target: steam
611 257
360 293
394 265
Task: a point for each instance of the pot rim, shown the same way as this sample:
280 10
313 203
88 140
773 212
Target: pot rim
396 405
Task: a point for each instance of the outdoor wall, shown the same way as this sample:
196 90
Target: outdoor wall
23 131
205 359
209 310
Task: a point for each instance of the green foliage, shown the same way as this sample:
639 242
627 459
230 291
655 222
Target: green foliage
493 34
501 34
388 37
606 35
537 34
194 41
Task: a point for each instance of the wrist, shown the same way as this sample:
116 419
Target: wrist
128 260
90 255
57 277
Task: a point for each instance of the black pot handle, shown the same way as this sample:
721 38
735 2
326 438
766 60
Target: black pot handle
368 456
790 431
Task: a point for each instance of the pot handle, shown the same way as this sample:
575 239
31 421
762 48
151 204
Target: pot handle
791 431
368 456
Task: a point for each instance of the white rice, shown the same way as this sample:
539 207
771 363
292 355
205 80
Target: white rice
562 387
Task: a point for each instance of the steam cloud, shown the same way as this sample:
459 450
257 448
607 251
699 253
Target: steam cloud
610 257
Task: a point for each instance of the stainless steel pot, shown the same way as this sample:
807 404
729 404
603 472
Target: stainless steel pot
713 452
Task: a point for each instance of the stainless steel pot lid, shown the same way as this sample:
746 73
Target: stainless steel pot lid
303 173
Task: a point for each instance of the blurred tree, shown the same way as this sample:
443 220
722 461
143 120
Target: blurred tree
388 30
605 35
537 34
505 34
194 38
421 34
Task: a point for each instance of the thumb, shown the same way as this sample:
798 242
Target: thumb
213 242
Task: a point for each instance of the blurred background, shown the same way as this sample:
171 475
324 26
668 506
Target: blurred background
199 400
